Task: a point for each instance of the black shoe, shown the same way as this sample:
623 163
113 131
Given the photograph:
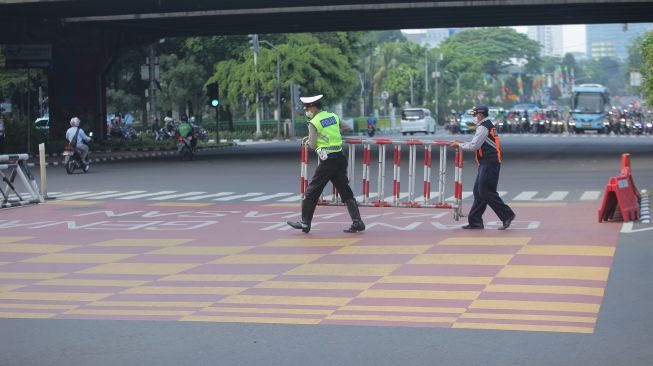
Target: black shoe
355 227
473 226
299 226
506 224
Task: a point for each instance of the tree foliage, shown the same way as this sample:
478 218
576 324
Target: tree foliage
647 69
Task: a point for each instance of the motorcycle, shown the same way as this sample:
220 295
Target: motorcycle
370 130
185 147
73 160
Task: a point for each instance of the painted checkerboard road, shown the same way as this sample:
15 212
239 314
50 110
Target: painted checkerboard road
227 262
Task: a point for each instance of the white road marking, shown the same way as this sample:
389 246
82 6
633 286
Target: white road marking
172 196
590 195
115 195
231 198
291 199
74 197
219 194
145 195
269 196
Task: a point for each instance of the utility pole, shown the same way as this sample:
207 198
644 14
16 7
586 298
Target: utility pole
254 45
426 75
411 91
437 76
278 91
152 85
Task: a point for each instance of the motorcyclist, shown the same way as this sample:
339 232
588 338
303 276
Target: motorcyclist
79 144
371 124
185 130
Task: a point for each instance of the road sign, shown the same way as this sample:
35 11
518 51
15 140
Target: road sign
385 95
28 56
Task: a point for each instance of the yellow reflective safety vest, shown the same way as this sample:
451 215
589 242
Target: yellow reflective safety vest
327 125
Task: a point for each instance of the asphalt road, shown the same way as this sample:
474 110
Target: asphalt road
623 335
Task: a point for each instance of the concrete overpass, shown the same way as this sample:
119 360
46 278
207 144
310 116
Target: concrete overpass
87 34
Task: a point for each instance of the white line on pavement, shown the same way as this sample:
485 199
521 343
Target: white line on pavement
145 195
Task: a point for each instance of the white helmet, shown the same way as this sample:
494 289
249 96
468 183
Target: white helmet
74 122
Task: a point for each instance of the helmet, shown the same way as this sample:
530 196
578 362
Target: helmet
74 122
184 118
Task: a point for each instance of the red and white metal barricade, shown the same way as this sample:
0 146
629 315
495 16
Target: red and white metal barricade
411 200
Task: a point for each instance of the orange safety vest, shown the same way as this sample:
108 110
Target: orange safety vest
490 150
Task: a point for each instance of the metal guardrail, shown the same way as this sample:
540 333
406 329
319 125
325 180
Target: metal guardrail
12 167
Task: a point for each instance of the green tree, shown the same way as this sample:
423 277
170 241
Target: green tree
647 70
181 84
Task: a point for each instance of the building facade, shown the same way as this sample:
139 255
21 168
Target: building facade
613 40
549 37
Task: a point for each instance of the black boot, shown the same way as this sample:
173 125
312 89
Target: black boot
308 209
357 223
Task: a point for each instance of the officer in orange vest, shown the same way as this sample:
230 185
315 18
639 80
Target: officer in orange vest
488 157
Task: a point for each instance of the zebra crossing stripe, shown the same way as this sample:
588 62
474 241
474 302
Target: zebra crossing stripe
74 197
114 195
525 196
291 199
231 198
270 196
145 195
171 196
61 195
590 195
196 198
465 196
556 196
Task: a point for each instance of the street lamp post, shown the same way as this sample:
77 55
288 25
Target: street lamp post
278 91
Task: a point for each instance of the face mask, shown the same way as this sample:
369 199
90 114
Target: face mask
309 114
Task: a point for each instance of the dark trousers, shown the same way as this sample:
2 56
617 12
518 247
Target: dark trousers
333 169
485 193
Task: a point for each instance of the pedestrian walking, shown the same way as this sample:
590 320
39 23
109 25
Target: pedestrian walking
325 137
486 145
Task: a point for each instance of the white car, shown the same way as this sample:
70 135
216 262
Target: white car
417 120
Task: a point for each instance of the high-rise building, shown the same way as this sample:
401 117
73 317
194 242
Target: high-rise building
430 37
549 37
613 40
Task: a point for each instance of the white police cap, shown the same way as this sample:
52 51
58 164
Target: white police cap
309 100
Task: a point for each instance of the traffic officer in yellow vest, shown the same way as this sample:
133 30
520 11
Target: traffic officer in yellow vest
324 136
488 157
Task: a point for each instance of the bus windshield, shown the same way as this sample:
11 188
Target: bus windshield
588 103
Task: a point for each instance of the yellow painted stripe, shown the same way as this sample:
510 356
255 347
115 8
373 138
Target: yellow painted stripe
329 242
344 269
566 272
535 305
141 242
419 294
29 275
38 306
205 250
33 248
383 249
153 304
139 268
182 204
394 318
217 277
269 311
538 204
78 258
267 259
457 280
61 296
249 319
466 240
568 250
6 288
471 259
183 290
408 309
6 314
286 300
11 239
316 285
82 282
75 203
535 328
540 289
129 312
561 318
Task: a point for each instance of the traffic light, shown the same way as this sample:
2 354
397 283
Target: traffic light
295 93
253 42
213 92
